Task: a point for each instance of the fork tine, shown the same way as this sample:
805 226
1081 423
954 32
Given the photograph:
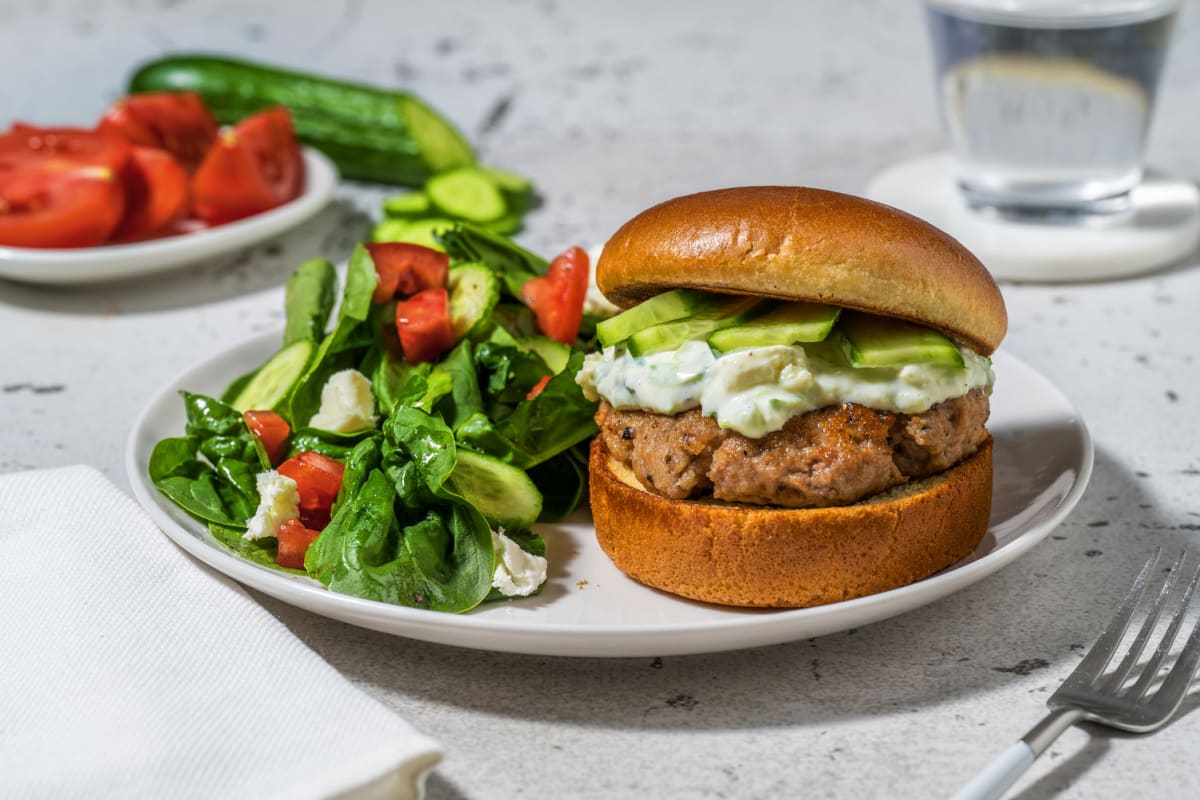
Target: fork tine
1114 681
1102 649
1190 652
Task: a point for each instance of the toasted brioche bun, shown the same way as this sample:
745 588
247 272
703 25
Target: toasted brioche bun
797 243
745 555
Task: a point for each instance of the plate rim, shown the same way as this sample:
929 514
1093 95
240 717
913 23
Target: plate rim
565 639
112 262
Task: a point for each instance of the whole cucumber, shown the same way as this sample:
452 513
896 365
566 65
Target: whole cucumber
371 133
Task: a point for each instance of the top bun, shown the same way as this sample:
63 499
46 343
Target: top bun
796 243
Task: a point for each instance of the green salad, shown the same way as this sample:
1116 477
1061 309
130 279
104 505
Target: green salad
402 448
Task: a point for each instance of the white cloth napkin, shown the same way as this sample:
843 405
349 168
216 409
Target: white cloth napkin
129 670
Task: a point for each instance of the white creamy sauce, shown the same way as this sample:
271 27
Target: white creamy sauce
756 390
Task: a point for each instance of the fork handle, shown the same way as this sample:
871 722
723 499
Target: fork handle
998 775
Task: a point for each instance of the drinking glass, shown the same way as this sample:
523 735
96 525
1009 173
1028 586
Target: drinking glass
1046 103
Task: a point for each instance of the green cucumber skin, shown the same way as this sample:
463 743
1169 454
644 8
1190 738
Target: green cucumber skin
363 129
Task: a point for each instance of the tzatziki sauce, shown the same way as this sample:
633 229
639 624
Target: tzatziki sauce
756 390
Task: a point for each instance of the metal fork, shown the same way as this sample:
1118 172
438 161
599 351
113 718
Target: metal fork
1092 695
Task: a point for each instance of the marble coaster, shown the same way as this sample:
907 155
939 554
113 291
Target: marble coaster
1163 228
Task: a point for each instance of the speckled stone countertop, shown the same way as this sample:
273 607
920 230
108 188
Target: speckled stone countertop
612 107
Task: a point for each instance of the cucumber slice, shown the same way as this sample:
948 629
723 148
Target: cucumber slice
271 384
669 335
554 353
675 304
871 341
467 193
418 231
506 181
441 144
407 206
506 225
474 292
504 494
785 323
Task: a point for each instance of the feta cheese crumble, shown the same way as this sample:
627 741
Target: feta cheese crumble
279 501
518 573
347 404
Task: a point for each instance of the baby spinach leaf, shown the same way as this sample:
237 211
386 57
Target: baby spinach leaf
188 482
512 263
308 300
260 551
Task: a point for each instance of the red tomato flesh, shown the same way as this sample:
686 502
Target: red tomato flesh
156 193
59 205
318 479
272 430
58 148
405 268
423 325
178 122
557 298
253 167
294 540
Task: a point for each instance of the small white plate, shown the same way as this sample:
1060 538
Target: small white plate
113 261
1043 459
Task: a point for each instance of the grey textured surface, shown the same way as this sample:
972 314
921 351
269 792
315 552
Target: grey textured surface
611 107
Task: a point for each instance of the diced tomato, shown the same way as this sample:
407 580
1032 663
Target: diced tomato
294 540
423 324
272 430
156 193
318 479
59 205
557 298
61 148
253 167
537 387
406 268
178 122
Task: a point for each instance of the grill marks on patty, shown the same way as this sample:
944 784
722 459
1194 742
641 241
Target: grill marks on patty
832 456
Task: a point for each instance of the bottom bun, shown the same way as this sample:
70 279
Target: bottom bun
745 555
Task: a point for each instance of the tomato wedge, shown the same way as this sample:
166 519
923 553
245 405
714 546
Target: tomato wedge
423 324
318 479
156 193
557 298
59 148
406 268
272 430
294 540
178 122
253 167
59 205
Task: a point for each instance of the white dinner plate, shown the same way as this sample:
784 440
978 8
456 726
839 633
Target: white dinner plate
114 261
1042 457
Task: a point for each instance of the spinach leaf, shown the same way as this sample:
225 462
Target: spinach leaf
393 380
512 263
308 301
259 551
562 482
464 398
508 373
327 443
555 420
345 345
434 562
190 483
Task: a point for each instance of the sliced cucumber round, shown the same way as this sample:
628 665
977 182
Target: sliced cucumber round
474 292
467 193
786 323
505 495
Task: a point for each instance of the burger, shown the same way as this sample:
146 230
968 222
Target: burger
792 405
